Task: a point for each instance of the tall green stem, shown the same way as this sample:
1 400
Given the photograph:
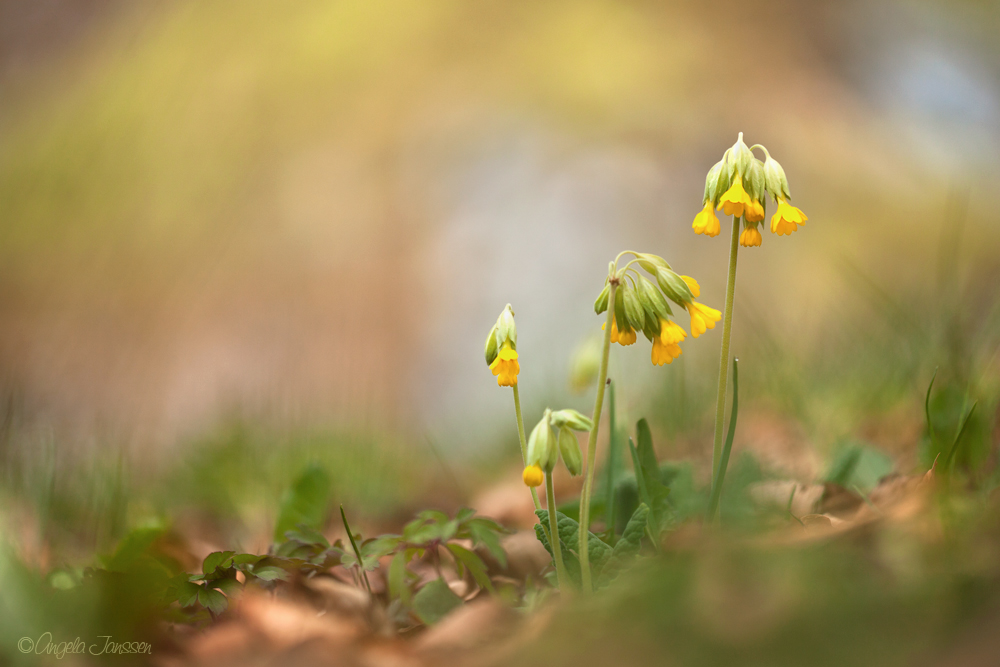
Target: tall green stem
524 443
550 504
590 461
727 330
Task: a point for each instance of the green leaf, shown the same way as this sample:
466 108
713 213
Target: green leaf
569 535
227 585
487 532
306 503
214 560
187 593
474 564
379 546
307 535
434 601
270 572
246 559
627 547
212 600
727 448
397 577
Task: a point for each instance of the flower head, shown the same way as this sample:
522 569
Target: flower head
706 221
755 213
533 475
505 366
735 200
787 218
692 285
750 236
702 317
671 333
664 353
501 349
626 337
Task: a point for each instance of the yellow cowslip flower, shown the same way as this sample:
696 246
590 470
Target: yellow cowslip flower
755 213
750 237
706 221
787 218
692 285
533 476
671 332
626 337
664 353
702 317
505 366
735 200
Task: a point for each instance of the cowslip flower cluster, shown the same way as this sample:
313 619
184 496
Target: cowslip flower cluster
501 349
738 185
643 305
553 437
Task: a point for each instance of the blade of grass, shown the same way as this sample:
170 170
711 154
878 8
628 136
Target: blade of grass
958 437
357 552
713 506
927 411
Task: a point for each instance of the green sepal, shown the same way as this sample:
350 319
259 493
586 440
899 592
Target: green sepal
491 346
633 308
569 449
674 287
601 304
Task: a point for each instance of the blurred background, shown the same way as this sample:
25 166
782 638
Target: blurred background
236 237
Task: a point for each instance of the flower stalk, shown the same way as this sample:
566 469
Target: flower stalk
588 480
554 541
727 330
524 444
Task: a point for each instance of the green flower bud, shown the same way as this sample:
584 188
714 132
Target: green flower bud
506 329
775 180
675 288
543 448
585 365
754 182
711 186
740 158
660 307
602 299
651 262
620 321
633 309
723 180
569 447
572 419
491 346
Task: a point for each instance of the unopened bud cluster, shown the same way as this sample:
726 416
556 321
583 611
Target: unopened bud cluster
554 438
738 185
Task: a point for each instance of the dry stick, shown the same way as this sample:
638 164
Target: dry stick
589 462
727 329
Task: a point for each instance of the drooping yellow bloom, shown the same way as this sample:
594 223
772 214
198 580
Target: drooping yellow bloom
787 218
735 200
664 353
755 212
750 237
692 285
505 366
706 222
702 318
533 476
626 337
671 332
